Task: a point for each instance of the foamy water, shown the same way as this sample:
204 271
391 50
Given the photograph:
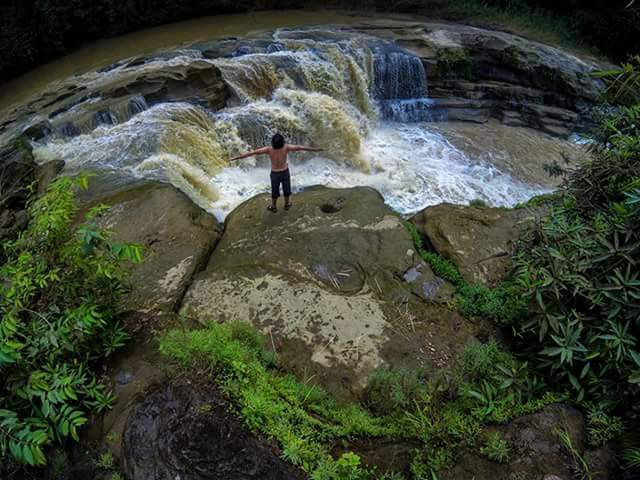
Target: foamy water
411 166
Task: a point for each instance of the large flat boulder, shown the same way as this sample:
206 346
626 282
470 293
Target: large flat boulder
326 281
479 241
177 237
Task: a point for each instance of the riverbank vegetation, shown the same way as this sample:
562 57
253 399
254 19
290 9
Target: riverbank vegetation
59 292
441 413
572 304
33 32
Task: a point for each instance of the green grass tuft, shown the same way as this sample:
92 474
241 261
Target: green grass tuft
496 448
391 390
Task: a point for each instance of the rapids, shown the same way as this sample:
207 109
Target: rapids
363 99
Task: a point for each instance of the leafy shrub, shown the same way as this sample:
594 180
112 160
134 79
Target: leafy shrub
631 457
581 274
496 448
602 427
494 386
59 293
391 390
479 361
478 203
504 304
579 269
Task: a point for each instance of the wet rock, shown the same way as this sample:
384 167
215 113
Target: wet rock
187 432
427 285
197 82
16 174
46 173
502 76
38 131
325 281
536 450
177 237
479 241
603 462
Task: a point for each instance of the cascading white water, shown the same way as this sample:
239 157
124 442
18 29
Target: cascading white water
362 99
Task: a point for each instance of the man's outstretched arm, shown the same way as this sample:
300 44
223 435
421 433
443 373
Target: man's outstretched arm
302 148
259 151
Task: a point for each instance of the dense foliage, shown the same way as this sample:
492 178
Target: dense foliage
35 31
59 291
573 301
580 264
441 413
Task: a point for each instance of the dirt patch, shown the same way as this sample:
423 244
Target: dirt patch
429 336
381 455
186 431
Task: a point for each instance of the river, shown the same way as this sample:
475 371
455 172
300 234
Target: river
363 99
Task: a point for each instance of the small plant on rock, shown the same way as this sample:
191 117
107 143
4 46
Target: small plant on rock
391 390
478 203
105 460
496 448
602 427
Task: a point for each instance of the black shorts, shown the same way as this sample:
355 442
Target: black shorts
278 178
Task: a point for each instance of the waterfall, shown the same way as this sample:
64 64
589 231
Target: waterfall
401 86
399 76
95 113
354 95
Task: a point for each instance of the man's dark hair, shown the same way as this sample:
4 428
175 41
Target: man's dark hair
277 141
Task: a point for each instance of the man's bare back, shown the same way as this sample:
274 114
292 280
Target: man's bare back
278 152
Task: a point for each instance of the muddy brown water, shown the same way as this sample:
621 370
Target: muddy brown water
143 42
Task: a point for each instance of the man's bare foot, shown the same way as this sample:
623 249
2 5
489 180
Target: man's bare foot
272 208
288 206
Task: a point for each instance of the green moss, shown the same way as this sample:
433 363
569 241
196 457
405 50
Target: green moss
440 266
509 57
301 417
503 304
478 203
454 63
539 200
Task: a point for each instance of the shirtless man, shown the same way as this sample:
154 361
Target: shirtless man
279 167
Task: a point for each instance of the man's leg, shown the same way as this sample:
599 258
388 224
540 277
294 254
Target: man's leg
286 188
275 191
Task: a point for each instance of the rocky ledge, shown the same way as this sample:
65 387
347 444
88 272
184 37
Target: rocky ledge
473 74
338 289
476 74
